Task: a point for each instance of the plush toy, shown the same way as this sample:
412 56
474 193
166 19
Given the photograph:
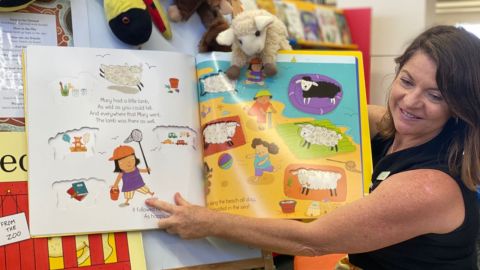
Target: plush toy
13 5
254 33
211 14
131 20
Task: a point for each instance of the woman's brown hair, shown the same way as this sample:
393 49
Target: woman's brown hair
456 53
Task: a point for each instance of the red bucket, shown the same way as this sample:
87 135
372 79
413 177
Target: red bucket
288 206
114 193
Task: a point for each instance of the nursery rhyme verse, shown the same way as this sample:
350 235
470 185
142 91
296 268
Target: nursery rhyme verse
124 111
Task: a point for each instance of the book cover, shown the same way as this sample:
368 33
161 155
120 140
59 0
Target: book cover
131 125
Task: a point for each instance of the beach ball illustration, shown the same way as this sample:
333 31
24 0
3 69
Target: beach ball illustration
225 161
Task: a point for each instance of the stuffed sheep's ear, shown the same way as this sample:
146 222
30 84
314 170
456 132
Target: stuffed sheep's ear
263 21
226 37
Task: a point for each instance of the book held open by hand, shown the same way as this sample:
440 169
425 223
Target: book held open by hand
110 128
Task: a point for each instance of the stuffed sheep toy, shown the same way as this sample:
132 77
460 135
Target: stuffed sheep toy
254 33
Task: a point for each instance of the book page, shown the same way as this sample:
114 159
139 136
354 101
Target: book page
106 130
295 145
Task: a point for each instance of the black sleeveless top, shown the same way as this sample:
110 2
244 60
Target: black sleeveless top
452 251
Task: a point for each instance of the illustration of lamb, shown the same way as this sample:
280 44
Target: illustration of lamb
318 89
122 75
311 179
221 132
216 82
319 135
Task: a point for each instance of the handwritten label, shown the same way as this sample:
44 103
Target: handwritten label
13 229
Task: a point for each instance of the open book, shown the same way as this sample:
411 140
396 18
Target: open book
109 128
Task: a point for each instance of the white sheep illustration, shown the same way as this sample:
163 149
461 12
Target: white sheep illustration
254 33
311 179
319 135
216 82
218 133
122 75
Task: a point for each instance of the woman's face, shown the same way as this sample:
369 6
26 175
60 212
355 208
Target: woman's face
418 109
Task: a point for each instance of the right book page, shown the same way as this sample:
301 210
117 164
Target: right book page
295 145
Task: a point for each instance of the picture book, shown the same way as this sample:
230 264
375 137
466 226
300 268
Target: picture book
96 251
109 128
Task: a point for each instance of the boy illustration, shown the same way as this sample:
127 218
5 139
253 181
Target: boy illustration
262 109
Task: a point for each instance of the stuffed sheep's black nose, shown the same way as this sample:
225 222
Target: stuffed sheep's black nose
133 27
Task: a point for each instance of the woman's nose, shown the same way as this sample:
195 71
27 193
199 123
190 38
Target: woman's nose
413 98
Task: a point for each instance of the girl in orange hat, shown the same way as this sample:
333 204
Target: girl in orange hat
126 165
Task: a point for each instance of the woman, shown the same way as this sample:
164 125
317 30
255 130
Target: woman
421 213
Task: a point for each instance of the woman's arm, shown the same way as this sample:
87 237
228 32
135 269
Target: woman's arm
375 114
406 205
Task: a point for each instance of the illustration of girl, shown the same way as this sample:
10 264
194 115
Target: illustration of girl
126 165
261 161
255 72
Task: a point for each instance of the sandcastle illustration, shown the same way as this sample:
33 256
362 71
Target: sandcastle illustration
78 146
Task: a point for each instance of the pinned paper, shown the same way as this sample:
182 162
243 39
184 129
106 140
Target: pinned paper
13 229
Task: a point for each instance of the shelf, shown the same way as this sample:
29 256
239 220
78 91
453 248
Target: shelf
324 45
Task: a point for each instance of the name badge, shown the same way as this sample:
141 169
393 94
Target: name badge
383 175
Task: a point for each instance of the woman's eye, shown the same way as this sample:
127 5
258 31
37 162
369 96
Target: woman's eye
240 41
257 33
435 97
406 82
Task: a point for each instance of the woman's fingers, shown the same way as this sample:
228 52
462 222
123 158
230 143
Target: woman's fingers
160 205
179 200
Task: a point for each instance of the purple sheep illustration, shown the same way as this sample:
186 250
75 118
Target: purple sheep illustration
318 89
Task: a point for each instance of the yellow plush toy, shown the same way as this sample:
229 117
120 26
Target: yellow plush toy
131 20
13 5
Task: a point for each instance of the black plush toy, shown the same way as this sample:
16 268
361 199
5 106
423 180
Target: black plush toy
131 20
12 5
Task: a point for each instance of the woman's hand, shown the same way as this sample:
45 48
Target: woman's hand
187 220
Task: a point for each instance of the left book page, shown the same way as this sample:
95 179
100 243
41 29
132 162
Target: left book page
101 125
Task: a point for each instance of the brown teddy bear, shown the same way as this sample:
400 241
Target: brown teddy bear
211 14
